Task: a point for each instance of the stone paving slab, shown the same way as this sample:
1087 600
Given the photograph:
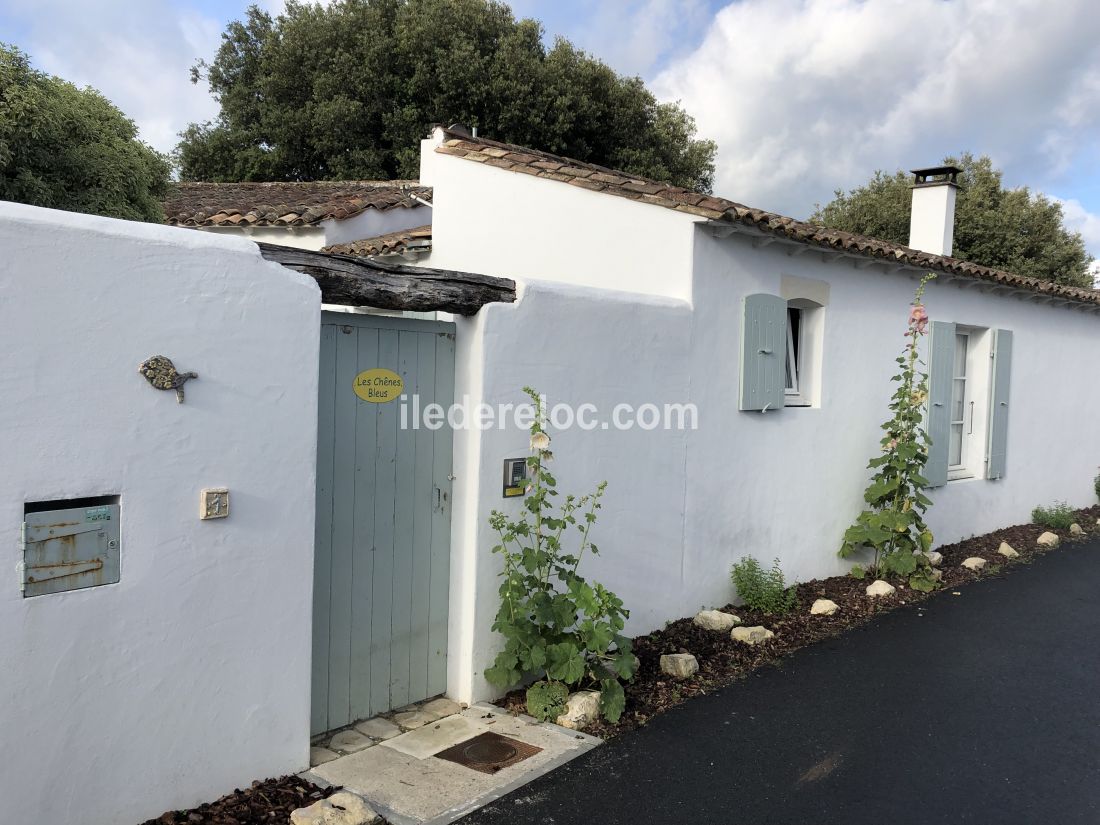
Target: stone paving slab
435 737
408 790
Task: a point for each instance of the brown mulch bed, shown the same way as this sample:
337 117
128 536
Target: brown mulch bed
266 802
722 661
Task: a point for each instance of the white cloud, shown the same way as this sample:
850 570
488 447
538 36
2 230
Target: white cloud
137 54
807 96
1079 219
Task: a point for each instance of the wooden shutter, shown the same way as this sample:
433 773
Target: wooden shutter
763 350
1001 373
941 368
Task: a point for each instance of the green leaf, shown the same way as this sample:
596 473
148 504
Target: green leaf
612 699
565 662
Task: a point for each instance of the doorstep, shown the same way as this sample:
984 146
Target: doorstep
405 780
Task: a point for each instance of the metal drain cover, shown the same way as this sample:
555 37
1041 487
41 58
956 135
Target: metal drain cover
488 752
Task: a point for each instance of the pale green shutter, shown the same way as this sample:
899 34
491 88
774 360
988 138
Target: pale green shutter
1001 374
941 367
763 350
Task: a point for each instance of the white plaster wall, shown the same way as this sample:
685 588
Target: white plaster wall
191 675
577 346
370 223
789 483
512 225
306 237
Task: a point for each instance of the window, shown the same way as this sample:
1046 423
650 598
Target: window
794 359
969 371
961 406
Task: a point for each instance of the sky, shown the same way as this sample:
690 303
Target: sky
802 96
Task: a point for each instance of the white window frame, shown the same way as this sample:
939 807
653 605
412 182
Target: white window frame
975 411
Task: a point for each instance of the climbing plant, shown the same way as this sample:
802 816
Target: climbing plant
892 524
556 625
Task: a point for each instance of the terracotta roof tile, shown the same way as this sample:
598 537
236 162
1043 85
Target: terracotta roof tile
599 178
384 244
285 203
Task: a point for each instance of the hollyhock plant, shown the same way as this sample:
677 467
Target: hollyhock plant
892 525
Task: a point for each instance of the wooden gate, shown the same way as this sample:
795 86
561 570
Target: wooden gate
381 571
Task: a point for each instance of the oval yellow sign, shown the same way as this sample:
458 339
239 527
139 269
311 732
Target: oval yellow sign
378 385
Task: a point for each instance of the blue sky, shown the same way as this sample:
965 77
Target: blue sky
802 96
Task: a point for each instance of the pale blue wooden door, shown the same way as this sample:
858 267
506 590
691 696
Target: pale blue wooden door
381 569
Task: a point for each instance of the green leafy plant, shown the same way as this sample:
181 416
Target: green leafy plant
892 525
1096 485
546 700
556 624
857 572
760 589
1058 516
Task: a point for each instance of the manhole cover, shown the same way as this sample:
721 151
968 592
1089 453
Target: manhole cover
488 752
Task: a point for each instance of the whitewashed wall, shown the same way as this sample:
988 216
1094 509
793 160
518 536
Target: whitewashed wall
682 507
191 675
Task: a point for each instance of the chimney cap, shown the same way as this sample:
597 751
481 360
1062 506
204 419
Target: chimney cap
936 175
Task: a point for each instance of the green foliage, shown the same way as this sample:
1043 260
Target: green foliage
546 700
1010 229
892 525
552 620
857 572
1096 485
763 590
69 148
347 91
1058 516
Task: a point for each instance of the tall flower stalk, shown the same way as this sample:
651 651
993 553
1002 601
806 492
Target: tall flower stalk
892 524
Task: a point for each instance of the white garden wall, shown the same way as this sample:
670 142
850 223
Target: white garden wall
190 676
682 507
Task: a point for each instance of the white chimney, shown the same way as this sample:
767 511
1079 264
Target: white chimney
932 223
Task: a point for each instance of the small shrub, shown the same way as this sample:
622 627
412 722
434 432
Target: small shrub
1058 516
763 590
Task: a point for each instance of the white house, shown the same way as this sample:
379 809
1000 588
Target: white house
180 651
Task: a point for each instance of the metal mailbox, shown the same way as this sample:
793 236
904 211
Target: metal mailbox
70 548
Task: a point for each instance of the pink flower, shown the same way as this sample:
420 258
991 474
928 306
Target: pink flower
918 319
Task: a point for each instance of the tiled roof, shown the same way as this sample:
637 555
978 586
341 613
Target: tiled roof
384 244
285 203
623 185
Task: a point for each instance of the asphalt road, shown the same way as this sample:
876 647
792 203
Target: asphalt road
982 707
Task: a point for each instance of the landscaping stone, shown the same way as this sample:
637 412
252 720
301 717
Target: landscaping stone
974 563
319 756
342 808
937 574
715 620
1048 539
442 707
581 709
1007 551
679 665
1075 529
751 635
824 607
413 719
350 741
378 728
880 588
935 558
